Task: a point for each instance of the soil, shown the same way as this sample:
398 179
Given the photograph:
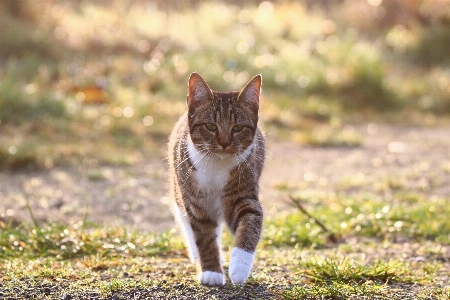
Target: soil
136 195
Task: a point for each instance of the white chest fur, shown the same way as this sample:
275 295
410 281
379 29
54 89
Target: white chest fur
212 173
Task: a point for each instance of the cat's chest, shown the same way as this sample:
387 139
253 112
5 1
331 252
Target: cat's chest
213 175
212 171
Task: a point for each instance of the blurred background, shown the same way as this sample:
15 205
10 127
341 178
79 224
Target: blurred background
356 99
105 80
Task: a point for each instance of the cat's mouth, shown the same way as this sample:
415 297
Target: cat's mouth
223 153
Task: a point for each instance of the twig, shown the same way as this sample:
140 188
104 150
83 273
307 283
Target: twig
331 236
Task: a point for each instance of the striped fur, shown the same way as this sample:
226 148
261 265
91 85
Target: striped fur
216 154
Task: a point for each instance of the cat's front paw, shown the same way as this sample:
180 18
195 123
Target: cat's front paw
240 265
211 278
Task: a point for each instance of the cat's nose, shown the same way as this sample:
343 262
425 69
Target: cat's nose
224 140
224 144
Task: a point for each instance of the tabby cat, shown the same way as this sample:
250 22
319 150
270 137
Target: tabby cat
216 154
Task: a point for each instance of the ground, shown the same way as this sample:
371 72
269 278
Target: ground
136 195
390 158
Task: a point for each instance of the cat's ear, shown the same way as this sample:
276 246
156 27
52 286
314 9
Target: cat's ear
198 90
251 92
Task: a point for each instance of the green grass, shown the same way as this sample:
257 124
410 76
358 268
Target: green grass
414 216
83 259
66 242
350 271
337 291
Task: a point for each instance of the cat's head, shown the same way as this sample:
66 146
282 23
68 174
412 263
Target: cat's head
222 122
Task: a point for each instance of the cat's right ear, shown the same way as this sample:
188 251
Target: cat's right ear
251 92
198 90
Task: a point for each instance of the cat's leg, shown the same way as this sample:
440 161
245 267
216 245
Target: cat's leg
245 222
207 239
219 242
183 220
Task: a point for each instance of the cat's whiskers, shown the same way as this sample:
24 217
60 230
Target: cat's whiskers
200 162
267 150
258 158
239 167
180 167
249 166
185 178
186 152
261 139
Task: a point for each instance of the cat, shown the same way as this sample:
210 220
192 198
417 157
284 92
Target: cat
216 155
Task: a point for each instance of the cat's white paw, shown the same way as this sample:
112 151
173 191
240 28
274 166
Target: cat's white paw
240 265
211 278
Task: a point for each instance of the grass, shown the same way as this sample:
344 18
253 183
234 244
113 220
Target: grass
66 242
348 271
410 215
295 259
280 272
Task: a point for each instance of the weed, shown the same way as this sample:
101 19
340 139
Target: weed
334 291
349 271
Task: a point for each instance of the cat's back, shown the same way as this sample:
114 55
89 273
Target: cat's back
177 138
259 151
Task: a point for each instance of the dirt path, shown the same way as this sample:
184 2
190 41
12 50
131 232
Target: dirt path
136 195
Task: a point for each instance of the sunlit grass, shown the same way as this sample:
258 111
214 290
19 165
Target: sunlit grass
411 216
63 241
115 261
349 271
335 291
295 258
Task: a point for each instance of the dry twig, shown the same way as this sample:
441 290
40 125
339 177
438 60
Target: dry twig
331 236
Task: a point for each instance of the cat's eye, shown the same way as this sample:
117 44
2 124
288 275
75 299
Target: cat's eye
238 127
211 126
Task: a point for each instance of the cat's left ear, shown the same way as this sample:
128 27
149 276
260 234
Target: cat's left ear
198 90
251 92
